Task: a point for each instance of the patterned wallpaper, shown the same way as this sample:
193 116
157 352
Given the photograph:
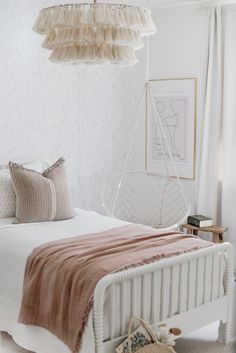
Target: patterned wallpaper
84 113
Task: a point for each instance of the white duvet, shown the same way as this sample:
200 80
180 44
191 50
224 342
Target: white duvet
16 243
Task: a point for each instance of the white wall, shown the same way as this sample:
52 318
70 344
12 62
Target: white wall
85 113
48 110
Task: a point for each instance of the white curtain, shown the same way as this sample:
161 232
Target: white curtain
209 185
217 185
229 126
228 204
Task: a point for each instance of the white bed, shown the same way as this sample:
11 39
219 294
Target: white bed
185 290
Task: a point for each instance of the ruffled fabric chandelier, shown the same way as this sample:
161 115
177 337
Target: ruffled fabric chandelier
96 33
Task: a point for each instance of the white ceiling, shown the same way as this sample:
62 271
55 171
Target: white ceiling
153 3
171 3
159 3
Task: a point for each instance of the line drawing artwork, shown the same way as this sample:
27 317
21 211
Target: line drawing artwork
172 111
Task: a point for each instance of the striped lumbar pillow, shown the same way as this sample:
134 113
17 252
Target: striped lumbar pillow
41 197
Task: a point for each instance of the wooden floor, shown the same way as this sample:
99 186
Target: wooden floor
201 341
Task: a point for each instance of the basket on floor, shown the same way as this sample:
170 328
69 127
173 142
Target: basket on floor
154 347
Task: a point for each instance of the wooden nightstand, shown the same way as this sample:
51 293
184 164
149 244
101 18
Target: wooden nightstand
217 232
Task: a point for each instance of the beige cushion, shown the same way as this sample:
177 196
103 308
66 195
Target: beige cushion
41 197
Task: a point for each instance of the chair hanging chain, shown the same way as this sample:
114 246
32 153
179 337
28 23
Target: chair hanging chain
147 73
136 122
138 115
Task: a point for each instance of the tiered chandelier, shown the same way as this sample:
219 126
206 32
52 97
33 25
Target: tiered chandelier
95 33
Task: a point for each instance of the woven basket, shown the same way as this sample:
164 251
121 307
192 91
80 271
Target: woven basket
155 347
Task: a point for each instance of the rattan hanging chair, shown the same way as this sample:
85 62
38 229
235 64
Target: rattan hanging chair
137 196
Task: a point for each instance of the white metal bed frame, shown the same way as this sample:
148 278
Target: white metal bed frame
217 307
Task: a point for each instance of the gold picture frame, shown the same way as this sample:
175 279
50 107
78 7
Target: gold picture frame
170 88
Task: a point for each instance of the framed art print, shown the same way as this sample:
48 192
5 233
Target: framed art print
171 139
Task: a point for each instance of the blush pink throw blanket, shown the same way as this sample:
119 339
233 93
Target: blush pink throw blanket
60 276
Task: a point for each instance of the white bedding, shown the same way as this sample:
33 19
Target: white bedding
16 243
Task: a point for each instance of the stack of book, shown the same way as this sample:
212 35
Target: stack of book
200 221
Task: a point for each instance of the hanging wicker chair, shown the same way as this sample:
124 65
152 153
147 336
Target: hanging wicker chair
157 200
140 197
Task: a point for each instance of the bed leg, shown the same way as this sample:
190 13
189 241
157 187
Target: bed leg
100 348
224 332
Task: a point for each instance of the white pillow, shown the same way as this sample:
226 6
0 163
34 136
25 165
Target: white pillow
7 195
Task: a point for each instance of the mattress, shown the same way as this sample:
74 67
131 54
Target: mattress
16 243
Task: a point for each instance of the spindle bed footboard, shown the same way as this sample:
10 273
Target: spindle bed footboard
188 291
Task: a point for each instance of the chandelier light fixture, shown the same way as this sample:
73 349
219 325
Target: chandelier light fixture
94 33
